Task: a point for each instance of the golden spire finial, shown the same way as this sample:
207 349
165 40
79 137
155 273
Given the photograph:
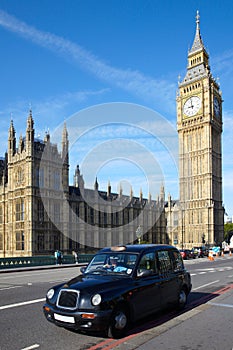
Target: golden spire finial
197 20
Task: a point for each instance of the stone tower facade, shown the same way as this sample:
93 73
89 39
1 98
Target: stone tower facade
199 125
25 227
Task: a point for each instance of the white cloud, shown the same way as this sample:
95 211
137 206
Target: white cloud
53 110
223 63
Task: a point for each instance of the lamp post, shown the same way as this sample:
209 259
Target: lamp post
139 234
182 230
203 238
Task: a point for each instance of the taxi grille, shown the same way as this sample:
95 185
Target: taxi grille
68 299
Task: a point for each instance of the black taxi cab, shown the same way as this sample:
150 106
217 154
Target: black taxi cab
120 285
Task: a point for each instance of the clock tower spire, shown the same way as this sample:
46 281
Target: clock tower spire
197 44
199 125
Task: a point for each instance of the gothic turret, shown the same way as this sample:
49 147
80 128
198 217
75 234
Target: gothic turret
65 158
11 140
141 195
96 185
131 193
30 132
120 191
21 144
109 189
78 179
162 194
65 144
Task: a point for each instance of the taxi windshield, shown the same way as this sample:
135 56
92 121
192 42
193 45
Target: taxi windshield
122 263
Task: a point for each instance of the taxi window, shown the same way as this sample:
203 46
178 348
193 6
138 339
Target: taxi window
177 261
124 262
98 260
164 261
147 262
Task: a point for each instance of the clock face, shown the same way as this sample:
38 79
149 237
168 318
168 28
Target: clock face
216 107
192 106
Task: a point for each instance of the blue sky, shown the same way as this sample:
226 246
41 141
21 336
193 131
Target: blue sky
110 70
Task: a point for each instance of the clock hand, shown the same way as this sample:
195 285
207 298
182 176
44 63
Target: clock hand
191 103
191 106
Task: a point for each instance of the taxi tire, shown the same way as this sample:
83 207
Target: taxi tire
119 323
182 301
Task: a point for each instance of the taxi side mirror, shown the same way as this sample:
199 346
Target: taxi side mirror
143 273
83 269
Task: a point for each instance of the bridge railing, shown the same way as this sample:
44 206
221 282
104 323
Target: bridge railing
41 260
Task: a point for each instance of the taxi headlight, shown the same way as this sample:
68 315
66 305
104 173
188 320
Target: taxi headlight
50 293
96 299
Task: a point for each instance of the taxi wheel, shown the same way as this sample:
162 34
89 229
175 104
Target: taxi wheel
182 299
119 323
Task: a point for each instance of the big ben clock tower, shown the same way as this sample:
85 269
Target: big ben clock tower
199 124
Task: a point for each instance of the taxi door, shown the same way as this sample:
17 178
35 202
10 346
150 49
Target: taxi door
169 280
146 295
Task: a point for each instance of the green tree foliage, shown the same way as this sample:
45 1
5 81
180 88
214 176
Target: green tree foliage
228 229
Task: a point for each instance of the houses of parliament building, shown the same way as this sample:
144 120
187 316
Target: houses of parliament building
41 212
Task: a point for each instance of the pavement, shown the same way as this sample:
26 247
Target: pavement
203 327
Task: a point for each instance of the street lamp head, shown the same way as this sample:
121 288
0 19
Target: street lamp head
139 233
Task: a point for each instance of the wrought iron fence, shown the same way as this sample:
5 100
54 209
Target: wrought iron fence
41 260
